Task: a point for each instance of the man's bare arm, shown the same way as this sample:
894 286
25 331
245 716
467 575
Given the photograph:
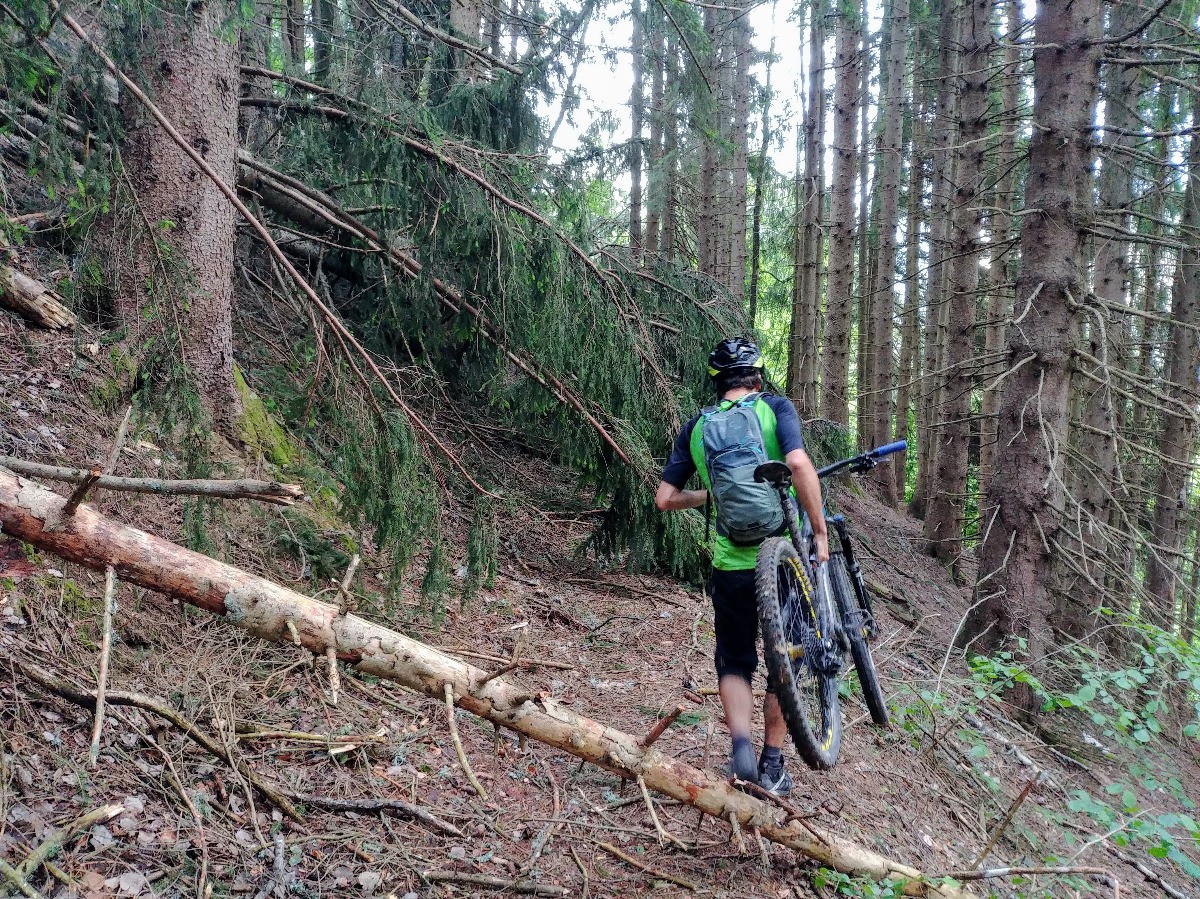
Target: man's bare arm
808 491
670 498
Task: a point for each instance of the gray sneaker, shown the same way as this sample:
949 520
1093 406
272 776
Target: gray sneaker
775 781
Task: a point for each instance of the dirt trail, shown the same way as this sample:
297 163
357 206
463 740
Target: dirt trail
930 790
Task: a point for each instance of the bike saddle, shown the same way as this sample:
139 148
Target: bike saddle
777 474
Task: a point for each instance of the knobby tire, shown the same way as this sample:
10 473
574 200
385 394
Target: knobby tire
860 650
786 597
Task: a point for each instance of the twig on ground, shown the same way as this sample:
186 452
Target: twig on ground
202 888
990 873
51 846
660 875
20 884
517 886
263 491
110 609
87 699
1004 822
1151 875
335 679
398 807
583 871
458 746
664 836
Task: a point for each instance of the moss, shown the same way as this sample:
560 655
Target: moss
258 429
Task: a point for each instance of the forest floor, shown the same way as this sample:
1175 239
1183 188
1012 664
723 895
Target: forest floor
929 791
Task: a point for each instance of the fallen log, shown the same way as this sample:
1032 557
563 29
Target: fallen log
263 491
276 613
32 300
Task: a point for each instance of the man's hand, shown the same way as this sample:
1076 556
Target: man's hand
822 542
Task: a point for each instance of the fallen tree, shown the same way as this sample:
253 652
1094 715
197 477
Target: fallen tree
28 511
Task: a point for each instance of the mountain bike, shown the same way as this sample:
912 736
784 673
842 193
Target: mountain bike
813 615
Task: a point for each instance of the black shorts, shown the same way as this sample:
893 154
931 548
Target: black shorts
735 621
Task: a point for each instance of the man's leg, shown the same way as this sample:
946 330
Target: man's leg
773 724
734 621
771 773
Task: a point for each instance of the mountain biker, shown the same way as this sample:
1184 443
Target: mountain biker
736 368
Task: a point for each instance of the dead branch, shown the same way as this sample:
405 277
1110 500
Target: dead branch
397 807
458 746
642 866
484 880
110 609
19 883
660 728
33 301
991 873
263 491
54 843
263 608
87 699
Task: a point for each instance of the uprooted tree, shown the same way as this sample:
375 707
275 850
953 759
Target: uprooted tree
36 515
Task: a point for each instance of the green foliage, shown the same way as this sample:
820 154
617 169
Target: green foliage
859 887
481 550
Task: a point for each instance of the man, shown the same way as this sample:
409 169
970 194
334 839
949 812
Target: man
736 368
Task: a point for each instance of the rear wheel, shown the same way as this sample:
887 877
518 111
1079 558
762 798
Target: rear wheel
856 633
791 648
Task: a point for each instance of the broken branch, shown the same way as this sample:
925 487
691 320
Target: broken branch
263 491
110 609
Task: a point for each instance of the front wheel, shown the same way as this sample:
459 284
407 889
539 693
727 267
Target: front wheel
856 632
807 694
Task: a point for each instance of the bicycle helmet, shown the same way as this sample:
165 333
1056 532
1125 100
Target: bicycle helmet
734 354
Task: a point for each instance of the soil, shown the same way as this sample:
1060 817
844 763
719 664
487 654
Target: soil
930 790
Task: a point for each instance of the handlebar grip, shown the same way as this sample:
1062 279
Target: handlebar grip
889 448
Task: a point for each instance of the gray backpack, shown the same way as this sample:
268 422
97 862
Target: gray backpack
732 439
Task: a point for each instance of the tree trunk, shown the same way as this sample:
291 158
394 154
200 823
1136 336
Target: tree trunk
295 35
740 136
948 489
1024 503
324 14
864 357
1001 227
760 178
942 176
669 240
806 278
181 275
1178 441
891 164
654 212
1096 479
835 348
265 609
910 327
706 224
31 300
637 105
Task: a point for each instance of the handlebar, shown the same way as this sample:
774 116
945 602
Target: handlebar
864 462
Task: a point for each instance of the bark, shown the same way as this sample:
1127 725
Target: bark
835 348
1024 502
668 241
944 516
324 13
867 219
1096 477
295 34
654 191
888 180
1178 440
1001 226
910 327
32 300
760 189
806 279
637 103
168 250
738 177
936 307
265 609
706 224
